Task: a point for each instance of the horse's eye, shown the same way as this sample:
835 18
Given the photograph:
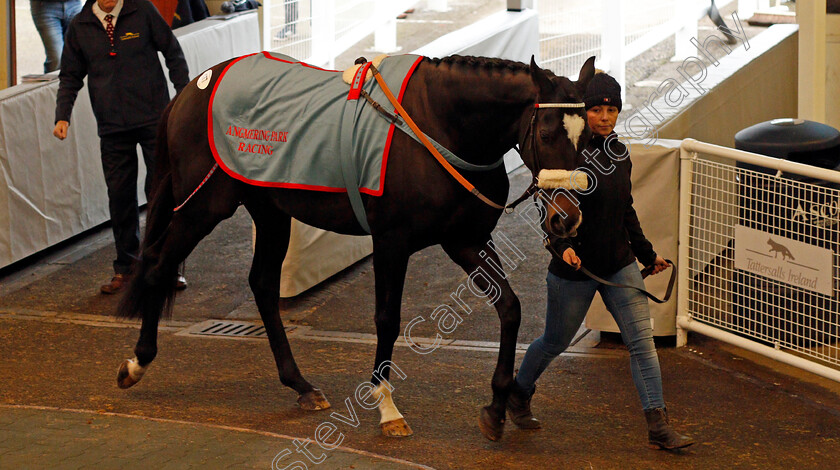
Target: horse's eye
545 136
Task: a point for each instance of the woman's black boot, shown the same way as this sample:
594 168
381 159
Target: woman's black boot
660 433
519 409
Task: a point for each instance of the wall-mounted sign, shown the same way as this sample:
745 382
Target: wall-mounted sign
782 259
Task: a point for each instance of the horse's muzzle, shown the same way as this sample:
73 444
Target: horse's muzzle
562 223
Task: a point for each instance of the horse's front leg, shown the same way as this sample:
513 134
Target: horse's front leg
273 229
481 262
390 261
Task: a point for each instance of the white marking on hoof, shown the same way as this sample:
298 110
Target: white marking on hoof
387 410
135 370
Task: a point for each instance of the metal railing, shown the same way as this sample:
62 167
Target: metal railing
570 32
318 31
759 261
615 31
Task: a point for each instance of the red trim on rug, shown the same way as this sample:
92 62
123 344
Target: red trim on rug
385 153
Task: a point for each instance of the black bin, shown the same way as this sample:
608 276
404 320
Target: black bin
769 310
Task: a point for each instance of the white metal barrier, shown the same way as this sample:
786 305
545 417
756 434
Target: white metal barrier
318 31
759 260
615 31
570 32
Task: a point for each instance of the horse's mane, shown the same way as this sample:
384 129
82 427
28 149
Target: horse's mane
486 63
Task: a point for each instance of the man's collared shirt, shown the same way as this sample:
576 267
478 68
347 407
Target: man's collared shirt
101 14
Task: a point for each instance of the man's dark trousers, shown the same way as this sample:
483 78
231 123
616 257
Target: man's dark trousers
120 165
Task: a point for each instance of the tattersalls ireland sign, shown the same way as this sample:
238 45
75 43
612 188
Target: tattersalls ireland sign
784 260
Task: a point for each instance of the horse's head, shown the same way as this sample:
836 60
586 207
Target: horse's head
551 137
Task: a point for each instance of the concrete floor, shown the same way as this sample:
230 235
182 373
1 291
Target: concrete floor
60 351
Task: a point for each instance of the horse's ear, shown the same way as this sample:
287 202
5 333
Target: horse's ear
586 74
540 78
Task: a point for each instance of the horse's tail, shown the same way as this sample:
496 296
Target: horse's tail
152 293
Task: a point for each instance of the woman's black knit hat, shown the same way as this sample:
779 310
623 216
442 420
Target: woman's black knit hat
602 90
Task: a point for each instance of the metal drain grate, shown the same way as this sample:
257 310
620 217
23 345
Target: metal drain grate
230 328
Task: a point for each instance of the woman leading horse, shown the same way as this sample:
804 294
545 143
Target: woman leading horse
478 108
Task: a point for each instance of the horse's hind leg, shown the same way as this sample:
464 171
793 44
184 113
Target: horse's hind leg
475 259
270 249
151 289
132 370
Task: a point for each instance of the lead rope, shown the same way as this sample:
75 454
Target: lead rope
645 272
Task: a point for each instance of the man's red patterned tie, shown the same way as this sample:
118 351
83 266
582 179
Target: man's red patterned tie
110 30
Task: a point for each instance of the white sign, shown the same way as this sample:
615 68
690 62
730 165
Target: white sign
782 259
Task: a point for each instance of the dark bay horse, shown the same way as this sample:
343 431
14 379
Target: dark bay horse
478 108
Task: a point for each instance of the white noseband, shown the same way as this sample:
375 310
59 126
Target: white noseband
553 179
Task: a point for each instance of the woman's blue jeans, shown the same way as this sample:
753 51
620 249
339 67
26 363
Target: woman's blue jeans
568 302
51 20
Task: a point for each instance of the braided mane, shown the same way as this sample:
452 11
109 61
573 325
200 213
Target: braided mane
489 63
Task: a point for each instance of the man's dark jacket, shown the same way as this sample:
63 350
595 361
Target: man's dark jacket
127 90
609 237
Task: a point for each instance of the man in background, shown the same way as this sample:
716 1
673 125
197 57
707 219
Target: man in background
115 43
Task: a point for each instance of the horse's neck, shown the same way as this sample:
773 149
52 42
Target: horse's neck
477 112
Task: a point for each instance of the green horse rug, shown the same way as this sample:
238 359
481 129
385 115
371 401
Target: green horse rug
278 122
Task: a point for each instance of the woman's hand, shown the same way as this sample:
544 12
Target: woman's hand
571 258
659 265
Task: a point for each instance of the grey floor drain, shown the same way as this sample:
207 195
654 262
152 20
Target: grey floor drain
227 328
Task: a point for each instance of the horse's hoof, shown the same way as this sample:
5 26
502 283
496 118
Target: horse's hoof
313 401
124 379
396 428
491 427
